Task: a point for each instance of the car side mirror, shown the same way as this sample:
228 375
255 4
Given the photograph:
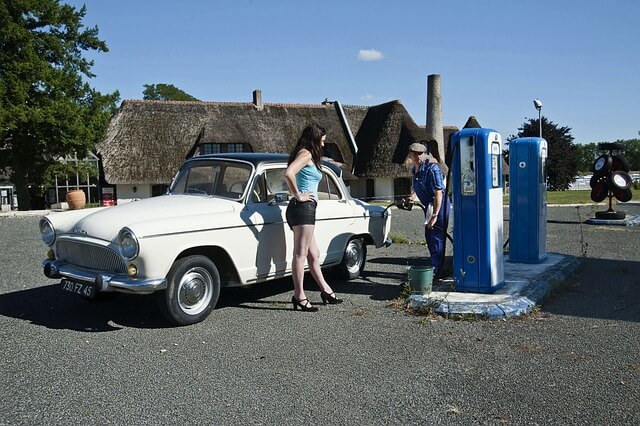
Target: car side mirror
279 197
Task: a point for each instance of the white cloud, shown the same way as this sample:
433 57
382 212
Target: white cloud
367 97
370 55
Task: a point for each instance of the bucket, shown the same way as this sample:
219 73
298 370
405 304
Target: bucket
76 199
420 279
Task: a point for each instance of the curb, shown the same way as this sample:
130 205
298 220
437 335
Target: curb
629 220
22 213
519 297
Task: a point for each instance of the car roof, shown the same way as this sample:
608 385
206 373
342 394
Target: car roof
258 158
254 158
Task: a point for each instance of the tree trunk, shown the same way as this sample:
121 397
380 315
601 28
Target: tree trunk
19 178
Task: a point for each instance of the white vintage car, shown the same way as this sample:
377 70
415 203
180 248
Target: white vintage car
220 224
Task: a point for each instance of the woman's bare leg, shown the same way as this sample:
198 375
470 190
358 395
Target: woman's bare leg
313 260
302 236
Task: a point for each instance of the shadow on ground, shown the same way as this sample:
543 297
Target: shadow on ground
50 307
601 288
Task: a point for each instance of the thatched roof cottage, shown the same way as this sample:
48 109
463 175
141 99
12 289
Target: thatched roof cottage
147 141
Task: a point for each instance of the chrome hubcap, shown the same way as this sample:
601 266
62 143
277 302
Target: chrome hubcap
353 256
195 290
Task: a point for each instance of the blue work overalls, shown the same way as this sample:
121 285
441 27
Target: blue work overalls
426 180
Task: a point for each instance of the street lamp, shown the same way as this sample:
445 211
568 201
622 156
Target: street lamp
538 104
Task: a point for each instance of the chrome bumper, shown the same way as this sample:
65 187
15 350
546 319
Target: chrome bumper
104 282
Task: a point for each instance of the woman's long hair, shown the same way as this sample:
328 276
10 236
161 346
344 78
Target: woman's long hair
311 141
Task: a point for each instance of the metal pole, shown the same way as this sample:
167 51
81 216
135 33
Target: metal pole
540 120
538 104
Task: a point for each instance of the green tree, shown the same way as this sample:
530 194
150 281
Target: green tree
589 152
46 109
586 155
562 160
632 153
165 92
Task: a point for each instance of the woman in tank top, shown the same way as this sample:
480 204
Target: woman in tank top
302 176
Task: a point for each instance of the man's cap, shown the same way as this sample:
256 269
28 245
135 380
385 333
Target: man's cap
417 147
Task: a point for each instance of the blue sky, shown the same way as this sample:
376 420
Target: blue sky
579 57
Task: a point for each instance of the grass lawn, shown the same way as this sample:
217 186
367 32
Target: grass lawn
570 197
553 197
566 197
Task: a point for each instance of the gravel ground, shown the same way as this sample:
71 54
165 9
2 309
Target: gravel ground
66 360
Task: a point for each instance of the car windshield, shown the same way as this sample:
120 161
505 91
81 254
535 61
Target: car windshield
217 178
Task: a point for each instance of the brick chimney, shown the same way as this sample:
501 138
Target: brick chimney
257 99
435 130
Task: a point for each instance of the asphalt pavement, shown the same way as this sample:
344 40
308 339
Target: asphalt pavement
574 360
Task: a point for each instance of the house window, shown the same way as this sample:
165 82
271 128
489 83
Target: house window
401 187
157 190
218 148
370 187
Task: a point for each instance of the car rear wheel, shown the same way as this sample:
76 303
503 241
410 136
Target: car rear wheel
192 292
353 259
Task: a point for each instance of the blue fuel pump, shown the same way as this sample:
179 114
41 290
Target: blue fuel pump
476 173
527 200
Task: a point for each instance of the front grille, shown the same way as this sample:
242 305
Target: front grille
90 256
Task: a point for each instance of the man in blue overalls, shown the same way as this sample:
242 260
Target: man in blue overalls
428 186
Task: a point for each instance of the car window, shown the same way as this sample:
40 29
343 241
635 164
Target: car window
269 183
201 180
259 191
276 183
327 189
233 182
213 178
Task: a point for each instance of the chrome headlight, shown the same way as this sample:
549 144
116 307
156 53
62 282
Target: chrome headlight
128 244
47 232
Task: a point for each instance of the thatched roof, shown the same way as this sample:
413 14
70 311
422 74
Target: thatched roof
147 141
384 138
472 123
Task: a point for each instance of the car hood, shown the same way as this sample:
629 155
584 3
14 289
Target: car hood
106 223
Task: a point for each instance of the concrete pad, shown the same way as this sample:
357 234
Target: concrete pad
526 285
629 220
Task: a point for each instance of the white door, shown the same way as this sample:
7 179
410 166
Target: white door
273 238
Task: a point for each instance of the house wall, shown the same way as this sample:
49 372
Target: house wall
357 188
128 193
384 188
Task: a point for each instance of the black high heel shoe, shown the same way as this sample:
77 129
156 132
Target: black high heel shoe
305 308
330 298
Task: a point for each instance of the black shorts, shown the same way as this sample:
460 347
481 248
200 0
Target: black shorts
301 213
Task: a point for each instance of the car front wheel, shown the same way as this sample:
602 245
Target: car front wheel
353 259
192 292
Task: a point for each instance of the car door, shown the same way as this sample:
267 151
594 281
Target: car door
335 217
266 215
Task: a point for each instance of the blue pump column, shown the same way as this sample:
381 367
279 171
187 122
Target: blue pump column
476 173
527 200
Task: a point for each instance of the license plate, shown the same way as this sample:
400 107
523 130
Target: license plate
84 290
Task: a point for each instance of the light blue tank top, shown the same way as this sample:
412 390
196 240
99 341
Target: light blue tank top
308 178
